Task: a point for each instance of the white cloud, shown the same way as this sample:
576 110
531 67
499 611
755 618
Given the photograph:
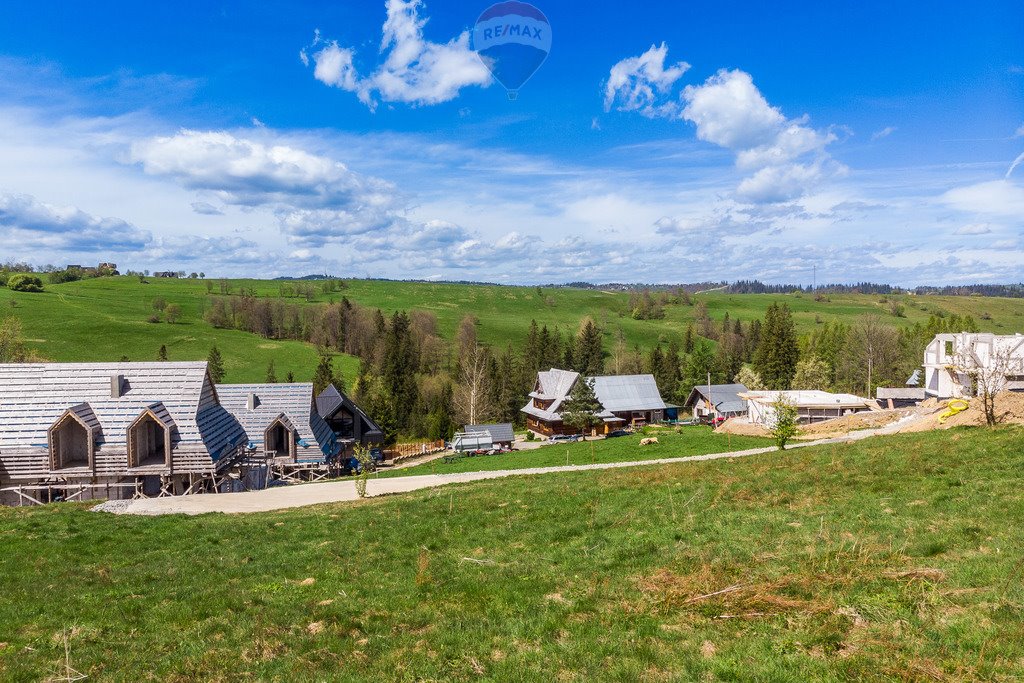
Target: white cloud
1019 133
414 70
206 209
641 83
26 223
973 229
786 157
884 133
999 197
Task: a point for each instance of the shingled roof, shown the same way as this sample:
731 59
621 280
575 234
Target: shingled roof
271 401
109 397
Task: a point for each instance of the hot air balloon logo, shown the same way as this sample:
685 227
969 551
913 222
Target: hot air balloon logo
513 39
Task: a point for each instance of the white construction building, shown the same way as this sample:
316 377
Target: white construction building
811 406
954 364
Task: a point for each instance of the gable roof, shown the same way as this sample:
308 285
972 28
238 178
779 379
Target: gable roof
34 395
499 432
622 393
331 400
615 393
292 402
726 397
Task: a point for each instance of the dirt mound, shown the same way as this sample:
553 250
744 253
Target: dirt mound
872 419
741 427
1009 406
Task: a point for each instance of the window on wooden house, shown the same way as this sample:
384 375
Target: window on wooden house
279 440
148 442
70 444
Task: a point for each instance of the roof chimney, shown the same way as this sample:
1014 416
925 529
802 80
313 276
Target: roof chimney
116 385
252 401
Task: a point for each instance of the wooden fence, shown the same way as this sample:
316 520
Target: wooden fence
404 451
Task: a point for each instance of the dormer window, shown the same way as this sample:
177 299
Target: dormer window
149 439
279 438
72 439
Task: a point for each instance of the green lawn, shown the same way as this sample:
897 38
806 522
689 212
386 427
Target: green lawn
671 444
105 318
892 558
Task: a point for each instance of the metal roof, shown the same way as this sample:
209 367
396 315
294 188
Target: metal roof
500 432
34 395
720 393
294 402
616 393
622 393
331 400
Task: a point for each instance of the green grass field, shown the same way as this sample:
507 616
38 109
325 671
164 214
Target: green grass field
671 444
895 558
103 319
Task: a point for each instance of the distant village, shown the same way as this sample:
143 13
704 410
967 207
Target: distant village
129 429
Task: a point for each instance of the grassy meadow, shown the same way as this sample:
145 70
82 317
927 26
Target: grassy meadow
105 318
895 558
672 443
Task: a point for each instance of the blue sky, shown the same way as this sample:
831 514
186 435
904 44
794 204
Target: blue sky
670 144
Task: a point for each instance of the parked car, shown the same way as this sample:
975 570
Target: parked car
617 432
564 438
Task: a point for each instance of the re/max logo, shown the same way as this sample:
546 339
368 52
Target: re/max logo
512 30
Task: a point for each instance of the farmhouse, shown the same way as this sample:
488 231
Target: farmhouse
954 362
280 421
716 400
349 423
811 406
625 399
125 427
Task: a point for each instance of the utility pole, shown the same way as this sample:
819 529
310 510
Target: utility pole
814 286
711 403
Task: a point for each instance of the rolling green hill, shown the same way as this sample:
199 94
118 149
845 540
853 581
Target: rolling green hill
894 558
106 318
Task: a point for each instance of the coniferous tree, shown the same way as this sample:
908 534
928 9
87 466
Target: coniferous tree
324 373
271 377
752 340
588 356
215 365
656 366
671 371
689 339
161 354
398 368
701 362
290 377
581 409
777 355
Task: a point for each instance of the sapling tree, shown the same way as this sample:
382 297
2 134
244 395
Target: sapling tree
784 427
989 373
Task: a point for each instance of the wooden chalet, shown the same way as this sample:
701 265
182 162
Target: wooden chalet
625 400
349 423
124 428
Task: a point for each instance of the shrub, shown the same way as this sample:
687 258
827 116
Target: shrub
66 275
25 283
155 318
159 304
173 312
785 426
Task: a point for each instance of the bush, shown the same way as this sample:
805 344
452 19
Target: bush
25 283
155 318
67 275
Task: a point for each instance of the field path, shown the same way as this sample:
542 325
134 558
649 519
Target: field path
284 497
